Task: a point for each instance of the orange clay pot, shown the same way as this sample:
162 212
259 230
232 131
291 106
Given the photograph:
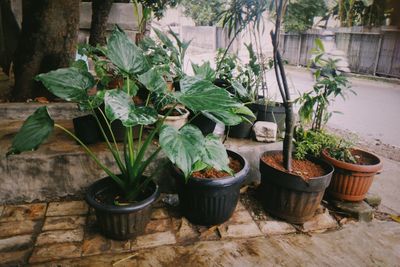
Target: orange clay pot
351 182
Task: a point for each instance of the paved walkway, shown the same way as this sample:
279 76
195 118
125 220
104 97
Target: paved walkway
64 234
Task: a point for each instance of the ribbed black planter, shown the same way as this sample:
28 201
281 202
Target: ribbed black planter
120 222
288 196
205 124
242 130
275 113
211 201
87 129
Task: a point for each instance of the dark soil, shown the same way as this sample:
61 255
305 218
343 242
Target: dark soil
212 173
112 196
303 168
363 159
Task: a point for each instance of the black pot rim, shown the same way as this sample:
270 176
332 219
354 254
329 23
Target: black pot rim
106 182
239 177
314 184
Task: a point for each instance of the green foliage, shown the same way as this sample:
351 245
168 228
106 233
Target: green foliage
165 55
158 6
204 13
300 14
238 14
35 130
184 147
227 64
314 142
329 84
363 12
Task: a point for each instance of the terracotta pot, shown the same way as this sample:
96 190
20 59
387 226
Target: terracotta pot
176 121
289 196
350 181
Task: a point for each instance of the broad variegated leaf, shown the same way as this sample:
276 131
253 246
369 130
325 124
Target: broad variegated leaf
215 153
119 105
226 117
205 96
124 54
142 116
70 84
187 81
183 147
35 130
153 81
243 110
239 89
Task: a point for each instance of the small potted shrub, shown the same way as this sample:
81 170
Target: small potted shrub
122 200
354 168
354 171
208 179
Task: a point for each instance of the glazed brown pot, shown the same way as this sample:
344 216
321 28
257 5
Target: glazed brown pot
351 182
289 196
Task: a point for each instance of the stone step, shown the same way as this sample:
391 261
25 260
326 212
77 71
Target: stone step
60 167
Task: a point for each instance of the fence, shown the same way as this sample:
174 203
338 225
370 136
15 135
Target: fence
376 51
207 37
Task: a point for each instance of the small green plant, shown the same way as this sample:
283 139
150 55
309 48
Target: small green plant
309 142
329 84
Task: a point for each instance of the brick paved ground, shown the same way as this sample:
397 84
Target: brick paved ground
48 232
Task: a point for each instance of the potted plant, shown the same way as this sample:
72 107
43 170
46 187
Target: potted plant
286 189
354 168
176 118
122 200
354 172
208 196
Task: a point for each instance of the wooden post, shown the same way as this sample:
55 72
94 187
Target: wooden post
299 50
378 52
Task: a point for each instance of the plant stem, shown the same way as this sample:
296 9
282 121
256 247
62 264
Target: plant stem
93 156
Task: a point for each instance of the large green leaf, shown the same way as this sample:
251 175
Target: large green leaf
183 147
226 117
70 84
35 130
153 81
126 55
215 153
187 82
205 96
119 105
165 40
204 71
93 101
239 89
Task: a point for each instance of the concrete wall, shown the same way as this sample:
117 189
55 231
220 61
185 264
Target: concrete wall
60 167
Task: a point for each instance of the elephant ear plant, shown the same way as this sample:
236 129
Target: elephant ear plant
187 148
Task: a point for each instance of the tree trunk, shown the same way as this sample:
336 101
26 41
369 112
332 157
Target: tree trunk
9 32
98 27
48 41
350 14
342 13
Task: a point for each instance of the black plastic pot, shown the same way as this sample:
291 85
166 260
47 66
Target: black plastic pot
205 124
211 201
275 113
242 130
87 129
120 222
288 196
